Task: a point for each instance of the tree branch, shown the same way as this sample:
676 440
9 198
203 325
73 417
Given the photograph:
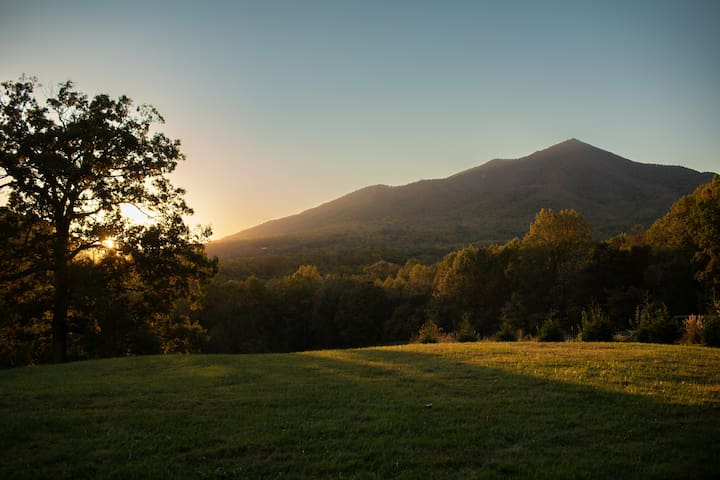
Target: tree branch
147 215
22 273
80 248
77 215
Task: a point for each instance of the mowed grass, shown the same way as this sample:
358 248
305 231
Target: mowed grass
485 410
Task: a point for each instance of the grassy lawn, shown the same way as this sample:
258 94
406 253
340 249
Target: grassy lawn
486 410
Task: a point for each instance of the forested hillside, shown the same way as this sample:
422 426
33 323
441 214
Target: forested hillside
491 203
555 282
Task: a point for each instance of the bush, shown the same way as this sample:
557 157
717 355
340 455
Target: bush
506 334
711 330
693 330
550 331
429 332
596 325
654 324
466 332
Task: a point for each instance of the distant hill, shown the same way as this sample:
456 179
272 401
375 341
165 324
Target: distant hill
491 203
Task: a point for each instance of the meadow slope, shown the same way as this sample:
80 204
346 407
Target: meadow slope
485 410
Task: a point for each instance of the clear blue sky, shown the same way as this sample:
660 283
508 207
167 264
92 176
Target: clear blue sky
282 105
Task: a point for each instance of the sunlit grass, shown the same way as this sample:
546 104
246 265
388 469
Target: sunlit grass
666 372
486 410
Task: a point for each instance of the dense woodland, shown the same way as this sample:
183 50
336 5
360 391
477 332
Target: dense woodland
555 283
79 280
556 279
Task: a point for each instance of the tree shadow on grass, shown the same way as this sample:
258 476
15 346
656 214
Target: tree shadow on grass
434 414
368 413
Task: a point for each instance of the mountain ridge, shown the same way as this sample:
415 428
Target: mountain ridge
488 203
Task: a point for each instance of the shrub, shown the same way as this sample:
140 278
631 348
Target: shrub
711 330
465 331
654 324
693 330
550 331
596 325
429 332
506 334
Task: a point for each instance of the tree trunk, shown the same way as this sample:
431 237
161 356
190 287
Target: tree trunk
60 307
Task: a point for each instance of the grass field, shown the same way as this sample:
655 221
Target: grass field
486 410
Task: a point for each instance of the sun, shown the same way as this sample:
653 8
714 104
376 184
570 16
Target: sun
108 243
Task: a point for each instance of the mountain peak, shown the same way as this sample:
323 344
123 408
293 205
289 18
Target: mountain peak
571 144
489 203
575 152
573 141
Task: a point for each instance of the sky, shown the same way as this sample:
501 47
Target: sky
283 105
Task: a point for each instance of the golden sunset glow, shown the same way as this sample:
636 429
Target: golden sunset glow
109 243
135 215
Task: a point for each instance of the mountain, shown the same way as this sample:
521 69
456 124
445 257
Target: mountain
491 203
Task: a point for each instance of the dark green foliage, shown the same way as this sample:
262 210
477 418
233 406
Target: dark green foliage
596 325
556 267
237 316
362 310
69 165
550 331
688 238
711 330
655 325
555 253
510 287
506 334
406 319
465 330
471 280
616 277
429 332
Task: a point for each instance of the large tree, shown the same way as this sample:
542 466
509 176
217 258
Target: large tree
70 167
552 255
692 229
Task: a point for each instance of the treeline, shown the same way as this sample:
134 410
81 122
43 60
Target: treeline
554 283
78 279
119 303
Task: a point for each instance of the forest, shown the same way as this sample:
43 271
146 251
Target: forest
556 283
79 280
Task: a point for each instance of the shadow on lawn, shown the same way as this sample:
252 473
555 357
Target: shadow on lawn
434 413
368 413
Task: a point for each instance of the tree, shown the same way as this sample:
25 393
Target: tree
293 298
70 167
362 311
596 325
472 281
24 299
553 254
237 315
693 226
560 233
654 323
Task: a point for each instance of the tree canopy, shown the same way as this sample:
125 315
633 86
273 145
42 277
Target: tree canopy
693 225
70 167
